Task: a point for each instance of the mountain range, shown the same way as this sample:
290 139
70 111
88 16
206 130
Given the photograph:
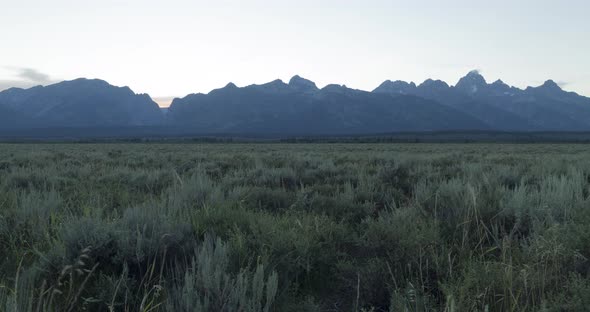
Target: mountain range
299 107
77 103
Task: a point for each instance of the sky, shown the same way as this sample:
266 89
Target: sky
176 47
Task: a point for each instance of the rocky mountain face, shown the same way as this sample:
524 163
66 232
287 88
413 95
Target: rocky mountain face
299 107
505 108
11 119
80 103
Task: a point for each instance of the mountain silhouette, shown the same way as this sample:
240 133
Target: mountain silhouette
505 108
472 83
300 107
302 85
81 103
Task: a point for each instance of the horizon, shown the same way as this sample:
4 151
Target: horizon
165 102
183 47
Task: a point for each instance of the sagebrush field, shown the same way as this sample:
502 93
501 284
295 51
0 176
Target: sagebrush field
294 227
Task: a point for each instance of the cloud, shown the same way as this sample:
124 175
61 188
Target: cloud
24 77
34 75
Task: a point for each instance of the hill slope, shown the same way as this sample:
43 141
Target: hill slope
82 103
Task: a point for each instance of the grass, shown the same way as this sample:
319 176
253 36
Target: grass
294 227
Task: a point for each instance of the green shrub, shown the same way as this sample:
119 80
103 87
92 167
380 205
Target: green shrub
209 285
301 227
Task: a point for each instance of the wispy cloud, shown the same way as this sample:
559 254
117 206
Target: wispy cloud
34 75
23 77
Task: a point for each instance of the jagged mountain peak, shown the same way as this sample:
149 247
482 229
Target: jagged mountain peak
83 102
228 87
274 83
472 82
498 88
547 87
431 83
301 84
551 85
474 73
335 88
297 78
275 86
388 83
471 104
395 87
499 82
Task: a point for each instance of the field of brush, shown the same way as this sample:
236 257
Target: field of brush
294 227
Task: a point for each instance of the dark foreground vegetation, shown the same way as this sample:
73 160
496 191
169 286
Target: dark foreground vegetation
294 227
179 135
